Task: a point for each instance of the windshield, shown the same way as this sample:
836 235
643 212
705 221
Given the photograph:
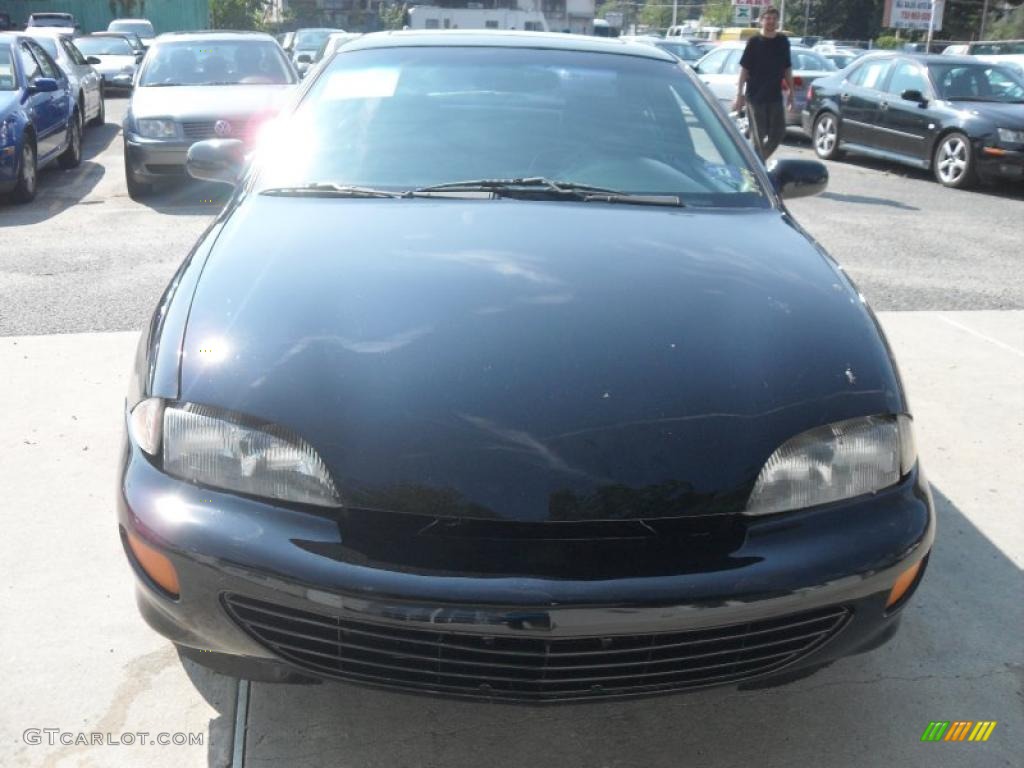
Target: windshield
406 118
312 39
142 28
684 51
50 20
975 82
48 44
253 62
7 81
1004 48
104 46
810 62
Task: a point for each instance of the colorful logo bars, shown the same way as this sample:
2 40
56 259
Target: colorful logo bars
958 730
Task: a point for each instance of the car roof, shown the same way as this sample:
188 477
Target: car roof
211 34
501 38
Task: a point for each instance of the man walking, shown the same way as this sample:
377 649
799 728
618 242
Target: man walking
764 65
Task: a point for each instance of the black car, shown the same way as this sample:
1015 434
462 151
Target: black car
958 116
506 374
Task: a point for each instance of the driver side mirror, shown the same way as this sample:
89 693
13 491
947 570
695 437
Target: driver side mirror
912 94
216 160
304 58
798 178
92 60
43 85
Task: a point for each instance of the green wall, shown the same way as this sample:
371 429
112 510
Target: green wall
94 15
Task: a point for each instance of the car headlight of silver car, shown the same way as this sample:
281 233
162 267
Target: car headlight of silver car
156 128
834 462
1010 136
224 450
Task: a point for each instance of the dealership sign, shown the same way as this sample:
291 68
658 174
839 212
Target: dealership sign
912 14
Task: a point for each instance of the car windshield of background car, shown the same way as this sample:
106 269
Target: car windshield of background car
48 44
104 46
216 63
410 117
967 82
143 28
7 80
311 39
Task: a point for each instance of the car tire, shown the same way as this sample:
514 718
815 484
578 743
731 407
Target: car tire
825 136
72 156
136 189
953 163
25 188
101 116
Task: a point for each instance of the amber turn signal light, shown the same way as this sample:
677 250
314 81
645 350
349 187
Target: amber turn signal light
903 583
156 565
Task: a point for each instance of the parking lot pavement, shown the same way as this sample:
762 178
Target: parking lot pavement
79 659
85 256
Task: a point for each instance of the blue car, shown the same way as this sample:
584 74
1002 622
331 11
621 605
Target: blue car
39 119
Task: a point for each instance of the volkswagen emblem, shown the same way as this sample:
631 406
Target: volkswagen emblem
222 128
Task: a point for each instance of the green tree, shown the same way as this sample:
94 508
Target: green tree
237 14
395 16
1009 27
658 14
718 14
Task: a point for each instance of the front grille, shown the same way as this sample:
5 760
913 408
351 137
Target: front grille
204 129
529 668
165 170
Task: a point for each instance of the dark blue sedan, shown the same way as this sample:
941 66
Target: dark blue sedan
39 120
506 374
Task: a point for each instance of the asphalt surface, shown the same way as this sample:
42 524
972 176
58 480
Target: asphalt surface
80 271
85 257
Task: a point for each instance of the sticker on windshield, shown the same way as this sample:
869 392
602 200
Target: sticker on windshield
376 83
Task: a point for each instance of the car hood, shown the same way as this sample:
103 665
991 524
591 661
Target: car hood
1004 115
206 101
531 361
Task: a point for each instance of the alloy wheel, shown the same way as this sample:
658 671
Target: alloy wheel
28 165
952 160
825 135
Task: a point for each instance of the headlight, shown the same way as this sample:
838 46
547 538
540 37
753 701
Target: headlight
204 445
1008 136
834 462
156 129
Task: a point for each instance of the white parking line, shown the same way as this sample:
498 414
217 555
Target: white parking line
980 335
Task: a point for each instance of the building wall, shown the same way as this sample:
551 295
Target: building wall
95 15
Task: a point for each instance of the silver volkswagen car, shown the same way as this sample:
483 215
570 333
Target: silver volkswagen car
199 85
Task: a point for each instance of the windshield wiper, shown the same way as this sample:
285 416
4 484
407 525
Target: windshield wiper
539 185
329 189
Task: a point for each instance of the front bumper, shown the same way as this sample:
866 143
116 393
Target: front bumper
998 163
839 561
153 159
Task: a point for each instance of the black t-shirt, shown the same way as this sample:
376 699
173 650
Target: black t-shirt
766 60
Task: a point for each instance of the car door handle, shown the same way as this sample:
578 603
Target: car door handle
883 106
844 97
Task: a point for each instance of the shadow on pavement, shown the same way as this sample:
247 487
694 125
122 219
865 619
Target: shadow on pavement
956 657
60 189
187 197
865 200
